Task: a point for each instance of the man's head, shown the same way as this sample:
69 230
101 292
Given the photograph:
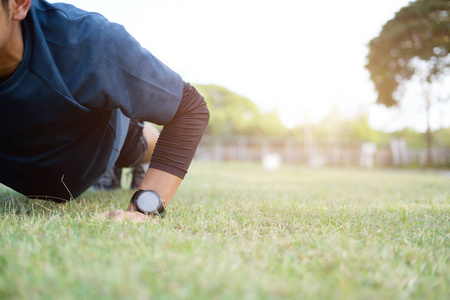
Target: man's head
5 4
5 23
12 12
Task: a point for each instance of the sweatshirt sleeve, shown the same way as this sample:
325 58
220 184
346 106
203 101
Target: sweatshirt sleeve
105 68
179 138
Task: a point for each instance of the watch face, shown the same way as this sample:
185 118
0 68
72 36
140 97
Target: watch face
148 202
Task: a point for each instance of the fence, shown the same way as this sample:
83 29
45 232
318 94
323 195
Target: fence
314 153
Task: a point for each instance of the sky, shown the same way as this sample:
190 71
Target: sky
300 58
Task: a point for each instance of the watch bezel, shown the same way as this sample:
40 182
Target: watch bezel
160 211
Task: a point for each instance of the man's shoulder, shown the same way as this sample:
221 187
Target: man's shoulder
62 10
66 21
66 26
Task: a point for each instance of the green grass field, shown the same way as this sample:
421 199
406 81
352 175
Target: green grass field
235 231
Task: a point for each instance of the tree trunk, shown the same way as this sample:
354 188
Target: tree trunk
428 133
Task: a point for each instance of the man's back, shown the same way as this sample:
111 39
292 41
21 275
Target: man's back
60 108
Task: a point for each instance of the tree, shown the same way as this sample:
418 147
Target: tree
415 42
233 114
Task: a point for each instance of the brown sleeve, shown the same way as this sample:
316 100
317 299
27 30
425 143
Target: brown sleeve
179 138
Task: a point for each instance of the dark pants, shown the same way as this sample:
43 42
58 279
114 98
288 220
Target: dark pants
134 147
131 155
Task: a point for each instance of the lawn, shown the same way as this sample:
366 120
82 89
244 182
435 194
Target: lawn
235 231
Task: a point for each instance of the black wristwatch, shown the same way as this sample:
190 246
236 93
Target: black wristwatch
148 202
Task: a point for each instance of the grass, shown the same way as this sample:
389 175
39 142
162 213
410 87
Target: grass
235 231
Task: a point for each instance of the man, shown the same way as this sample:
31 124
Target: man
70 81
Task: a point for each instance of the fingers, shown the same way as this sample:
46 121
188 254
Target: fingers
117 215
110 214
104 214
134 216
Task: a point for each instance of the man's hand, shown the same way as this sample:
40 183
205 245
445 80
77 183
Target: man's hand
165 184
131 214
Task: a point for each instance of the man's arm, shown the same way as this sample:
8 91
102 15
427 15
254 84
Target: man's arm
173 152
165 184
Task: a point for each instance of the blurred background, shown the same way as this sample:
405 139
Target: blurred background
347 83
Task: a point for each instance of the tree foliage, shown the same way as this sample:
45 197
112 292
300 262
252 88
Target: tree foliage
420 30
233 114
337 131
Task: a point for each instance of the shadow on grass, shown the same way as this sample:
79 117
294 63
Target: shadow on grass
12 202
